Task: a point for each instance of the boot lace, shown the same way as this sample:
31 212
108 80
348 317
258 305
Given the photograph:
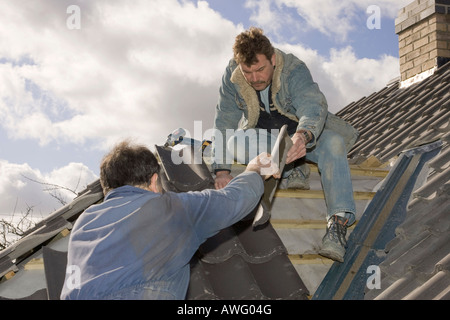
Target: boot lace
337 229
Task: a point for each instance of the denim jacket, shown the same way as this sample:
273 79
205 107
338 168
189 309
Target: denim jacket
138 244
294 94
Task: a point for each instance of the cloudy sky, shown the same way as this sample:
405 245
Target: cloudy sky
76 76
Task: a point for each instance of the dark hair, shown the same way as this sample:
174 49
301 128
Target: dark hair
127 164
250 43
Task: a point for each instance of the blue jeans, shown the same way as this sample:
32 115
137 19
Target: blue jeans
329 153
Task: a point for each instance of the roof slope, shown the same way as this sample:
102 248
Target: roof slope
401 247
394 119
418 263
377 227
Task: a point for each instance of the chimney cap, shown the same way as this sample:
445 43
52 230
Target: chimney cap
419 10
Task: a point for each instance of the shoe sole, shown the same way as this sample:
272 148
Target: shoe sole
331 255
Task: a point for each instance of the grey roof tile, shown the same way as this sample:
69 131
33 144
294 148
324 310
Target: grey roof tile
435 288
231 279
254 246
418 259
392 119
240 262
412 245
235 279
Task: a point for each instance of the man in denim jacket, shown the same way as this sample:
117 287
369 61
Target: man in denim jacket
263 89
138 242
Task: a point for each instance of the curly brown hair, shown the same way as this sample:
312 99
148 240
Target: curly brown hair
250 43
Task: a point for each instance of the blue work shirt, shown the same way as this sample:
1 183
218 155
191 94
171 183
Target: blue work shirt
137 244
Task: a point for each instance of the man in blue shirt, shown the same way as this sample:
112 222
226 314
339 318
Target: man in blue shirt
138 242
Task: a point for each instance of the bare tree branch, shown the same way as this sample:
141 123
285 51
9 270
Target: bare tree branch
11 231
52 186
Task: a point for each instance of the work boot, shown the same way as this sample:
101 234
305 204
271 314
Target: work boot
334 243
298 179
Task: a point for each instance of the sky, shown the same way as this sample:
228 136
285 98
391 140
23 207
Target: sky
77 76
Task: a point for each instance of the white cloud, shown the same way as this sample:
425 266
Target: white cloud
353 78
344 78
22 187
332 18
139 69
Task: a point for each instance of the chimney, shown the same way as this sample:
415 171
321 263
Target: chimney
423 29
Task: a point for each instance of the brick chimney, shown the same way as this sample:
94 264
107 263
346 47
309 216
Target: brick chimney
423 29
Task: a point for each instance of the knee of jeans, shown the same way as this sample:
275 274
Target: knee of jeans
335 145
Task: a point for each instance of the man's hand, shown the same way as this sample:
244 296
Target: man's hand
222 179
262 164
298 149
265 166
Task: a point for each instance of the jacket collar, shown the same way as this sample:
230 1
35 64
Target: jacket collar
124 191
